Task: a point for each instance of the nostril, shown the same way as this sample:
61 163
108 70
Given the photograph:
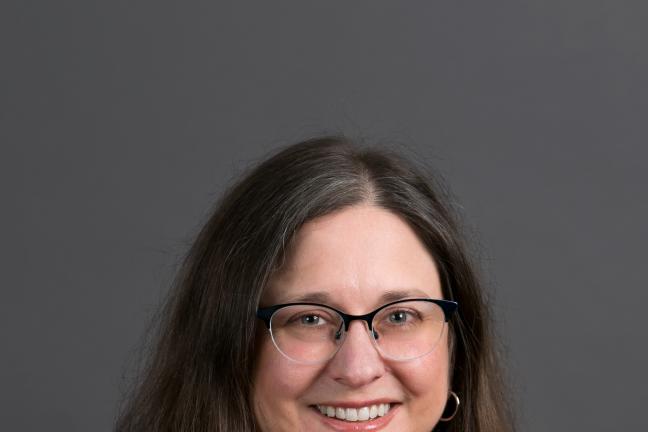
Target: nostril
375 334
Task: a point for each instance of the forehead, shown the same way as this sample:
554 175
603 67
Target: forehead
355 259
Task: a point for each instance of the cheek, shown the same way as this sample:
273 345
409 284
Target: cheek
278 387
426 382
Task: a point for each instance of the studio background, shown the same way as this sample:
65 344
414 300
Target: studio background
122 121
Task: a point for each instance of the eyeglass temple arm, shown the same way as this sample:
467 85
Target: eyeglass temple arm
449 307
265 314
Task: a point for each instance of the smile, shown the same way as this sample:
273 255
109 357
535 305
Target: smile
355 414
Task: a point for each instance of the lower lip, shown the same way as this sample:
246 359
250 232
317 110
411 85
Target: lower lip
368 425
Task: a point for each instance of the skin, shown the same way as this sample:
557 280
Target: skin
353 256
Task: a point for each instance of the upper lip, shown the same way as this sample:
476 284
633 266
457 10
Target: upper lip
357 404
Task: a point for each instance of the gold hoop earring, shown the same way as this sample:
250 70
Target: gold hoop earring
456 410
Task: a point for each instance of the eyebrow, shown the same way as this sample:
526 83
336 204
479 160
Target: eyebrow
395 295
315 297
387 297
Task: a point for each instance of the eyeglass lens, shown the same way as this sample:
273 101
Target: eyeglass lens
313 334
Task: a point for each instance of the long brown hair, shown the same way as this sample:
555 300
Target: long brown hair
197 376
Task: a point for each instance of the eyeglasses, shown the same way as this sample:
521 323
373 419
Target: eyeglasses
312 333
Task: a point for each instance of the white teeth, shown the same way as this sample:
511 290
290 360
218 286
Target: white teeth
351 414
354 414
363 414
373 411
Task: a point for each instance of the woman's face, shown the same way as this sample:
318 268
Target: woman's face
352 260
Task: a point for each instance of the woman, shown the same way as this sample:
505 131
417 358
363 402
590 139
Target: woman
329 290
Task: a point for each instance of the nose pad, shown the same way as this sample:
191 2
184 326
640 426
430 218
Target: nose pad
358 361
338 332
371 334
340 335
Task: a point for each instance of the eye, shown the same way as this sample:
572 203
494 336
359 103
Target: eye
311 320
399 317
300 317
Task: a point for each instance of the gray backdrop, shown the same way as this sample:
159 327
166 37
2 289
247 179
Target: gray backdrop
121 122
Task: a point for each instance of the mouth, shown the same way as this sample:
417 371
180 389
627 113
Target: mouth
355 414
370 416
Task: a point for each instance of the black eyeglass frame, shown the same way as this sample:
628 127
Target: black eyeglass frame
448 307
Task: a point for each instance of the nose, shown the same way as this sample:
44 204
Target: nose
357 363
